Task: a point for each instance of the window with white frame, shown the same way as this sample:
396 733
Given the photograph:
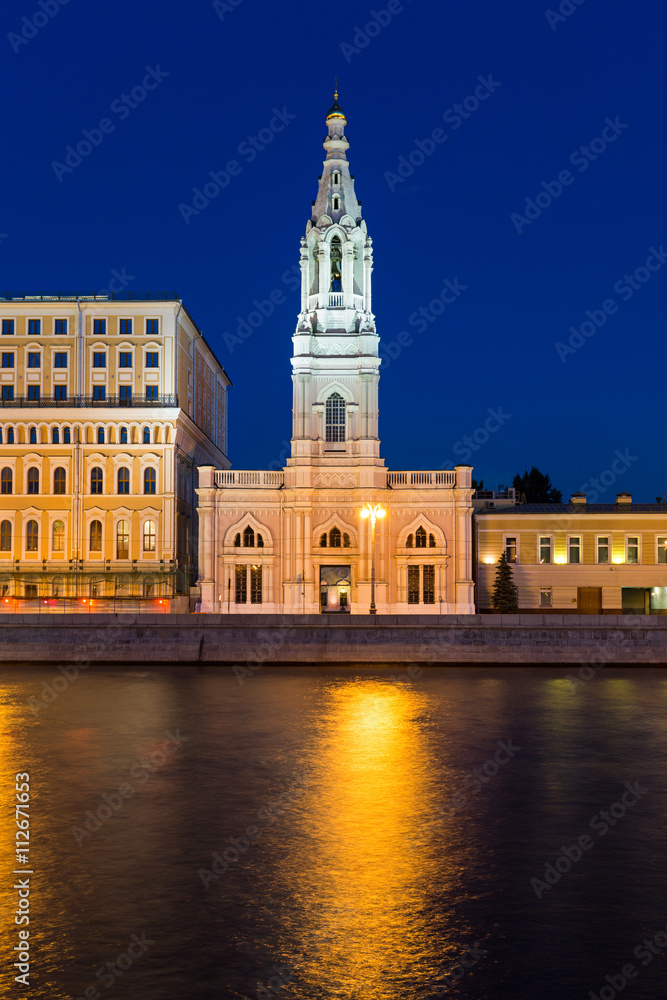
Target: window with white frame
545 549
632 549
510 548
546 597
661 556
335 417
602 550
574 549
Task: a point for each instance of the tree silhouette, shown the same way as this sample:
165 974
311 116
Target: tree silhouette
537 487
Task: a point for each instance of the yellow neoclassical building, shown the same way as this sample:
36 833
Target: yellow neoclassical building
107 406
576 558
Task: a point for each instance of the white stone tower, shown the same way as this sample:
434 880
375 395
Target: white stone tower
335 365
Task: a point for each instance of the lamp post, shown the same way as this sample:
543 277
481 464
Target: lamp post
373 512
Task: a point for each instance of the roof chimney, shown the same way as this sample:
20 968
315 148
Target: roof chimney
624 498
578 498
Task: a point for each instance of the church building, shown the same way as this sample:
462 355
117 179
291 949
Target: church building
335 531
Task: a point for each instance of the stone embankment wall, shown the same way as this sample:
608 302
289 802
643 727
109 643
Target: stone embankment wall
257 640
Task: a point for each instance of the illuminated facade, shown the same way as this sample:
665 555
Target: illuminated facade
577 558
293 540
107 404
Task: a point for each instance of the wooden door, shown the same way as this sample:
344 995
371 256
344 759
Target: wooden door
589 600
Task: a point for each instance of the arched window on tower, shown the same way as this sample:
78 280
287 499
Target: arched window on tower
421 538
248 538
336 203
336 264
335 418
336 177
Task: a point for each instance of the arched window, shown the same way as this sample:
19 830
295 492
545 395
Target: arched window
96 480
58 536
336 177
323 541
237 539
420 538
122 540
6 480
1 435
123 480
334 538
96 536
410 542
336 203
149 480
32 536
100 435
346 540
248 538
33 480
336 265
10 435
335 418
431 541
59 481
147 435
55 436
66 436
123 435
149 536
33 435
6 536
260 542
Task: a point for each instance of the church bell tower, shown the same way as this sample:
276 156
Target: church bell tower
335 363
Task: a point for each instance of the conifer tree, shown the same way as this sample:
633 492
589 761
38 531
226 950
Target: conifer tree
505 595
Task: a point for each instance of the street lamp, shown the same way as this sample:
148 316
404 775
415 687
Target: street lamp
373 512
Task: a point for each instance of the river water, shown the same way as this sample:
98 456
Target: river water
339 833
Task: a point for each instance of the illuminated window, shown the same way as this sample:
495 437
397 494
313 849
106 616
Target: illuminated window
545 548
662 549
255 584
603 550
59 481
6 536
122 540
96 536
335 418
149 536
241 589
510 549
58 536
574 549
546 597
32 536
632 549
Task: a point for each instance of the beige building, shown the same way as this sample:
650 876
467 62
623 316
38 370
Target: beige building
107 405
576 558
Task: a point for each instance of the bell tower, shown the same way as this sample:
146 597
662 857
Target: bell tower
335 363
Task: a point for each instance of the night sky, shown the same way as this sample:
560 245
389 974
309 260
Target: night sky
219 73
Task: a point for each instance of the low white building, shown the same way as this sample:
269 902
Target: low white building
294 541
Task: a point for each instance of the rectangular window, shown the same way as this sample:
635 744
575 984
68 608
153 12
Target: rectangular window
546 597
152 359
152 327
99 392
125 359
31 591
99 359
510 549
429 584
603 550
241 585
34 360
99 327
151 392
60 361
545 548
34 327
8 359
574 549
33 392
60 391
7 327
61 326
126 328
632 549
662 549
413 584
125 393
255 584
8 392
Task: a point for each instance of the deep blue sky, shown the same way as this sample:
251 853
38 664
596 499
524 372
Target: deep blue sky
495 345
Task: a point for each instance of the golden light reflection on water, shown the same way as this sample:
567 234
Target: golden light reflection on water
364 888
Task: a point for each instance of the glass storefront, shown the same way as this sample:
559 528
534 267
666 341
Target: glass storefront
335 589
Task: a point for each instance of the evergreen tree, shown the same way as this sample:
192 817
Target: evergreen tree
477 485
505 595
537 487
